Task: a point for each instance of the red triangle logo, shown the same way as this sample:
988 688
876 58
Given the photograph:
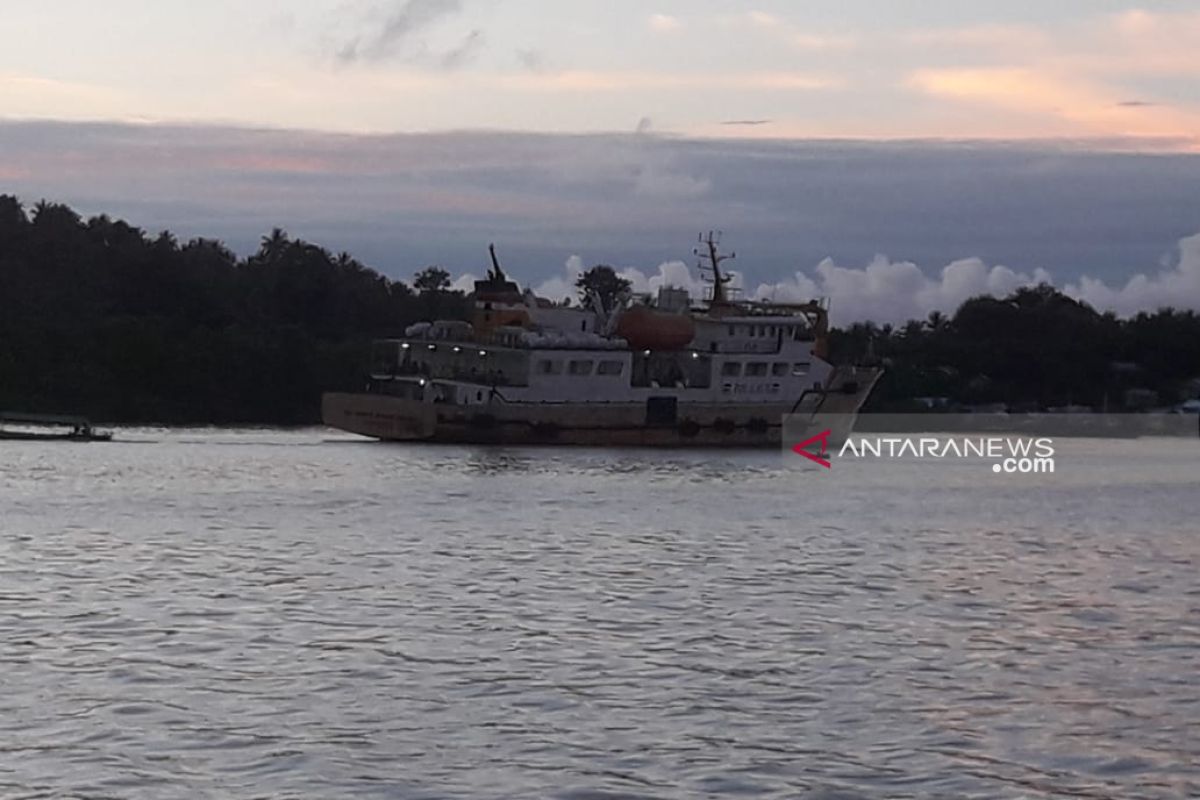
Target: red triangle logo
819 457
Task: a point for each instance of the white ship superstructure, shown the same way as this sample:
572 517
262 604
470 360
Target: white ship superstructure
656 371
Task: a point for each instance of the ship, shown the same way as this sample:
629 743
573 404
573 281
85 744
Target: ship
660 371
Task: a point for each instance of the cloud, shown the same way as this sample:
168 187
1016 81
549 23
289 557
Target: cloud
398 33
888 291
1090 108
1067 79
669 273
1132 43
764 20
748 123
1009 40
812 41
664 23
401 202
894 292
1143 42
649 81
37 96
797 37
463 52
1177 286
532 59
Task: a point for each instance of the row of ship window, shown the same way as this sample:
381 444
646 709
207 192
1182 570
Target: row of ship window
759 369
766 330
582 367
731 369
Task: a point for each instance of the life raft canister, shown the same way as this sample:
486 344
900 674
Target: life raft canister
647 329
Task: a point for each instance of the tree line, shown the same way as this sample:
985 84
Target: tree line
1035 350
98 317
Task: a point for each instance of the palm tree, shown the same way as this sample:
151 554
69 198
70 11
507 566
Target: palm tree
275 245
347 263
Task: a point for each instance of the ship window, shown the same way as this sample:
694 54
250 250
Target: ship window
733 330
756 370
548 367
583 367
800 369
732 369
779 369
610 368
770 330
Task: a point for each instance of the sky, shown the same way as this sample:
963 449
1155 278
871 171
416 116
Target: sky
856 148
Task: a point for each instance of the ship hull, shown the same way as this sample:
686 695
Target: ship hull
708 425
13 436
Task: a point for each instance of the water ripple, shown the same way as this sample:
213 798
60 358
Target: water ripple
243 614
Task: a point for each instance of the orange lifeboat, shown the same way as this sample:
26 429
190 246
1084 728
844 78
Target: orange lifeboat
647 329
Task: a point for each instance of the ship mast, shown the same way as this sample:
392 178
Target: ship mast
710 261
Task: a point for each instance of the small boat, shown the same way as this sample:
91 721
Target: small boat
49 428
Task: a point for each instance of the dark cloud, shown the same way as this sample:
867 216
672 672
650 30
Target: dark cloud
1136 104
532 60
398 36
402 201
748 123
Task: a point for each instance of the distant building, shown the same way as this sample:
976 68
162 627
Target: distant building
1140 399
1190 407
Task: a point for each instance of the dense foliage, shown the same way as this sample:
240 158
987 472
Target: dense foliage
1034 350
98 318
603 282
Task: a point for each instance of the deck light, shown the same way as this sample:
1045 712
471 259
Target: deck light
406 346
433 347
483 353
458 349
647 354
